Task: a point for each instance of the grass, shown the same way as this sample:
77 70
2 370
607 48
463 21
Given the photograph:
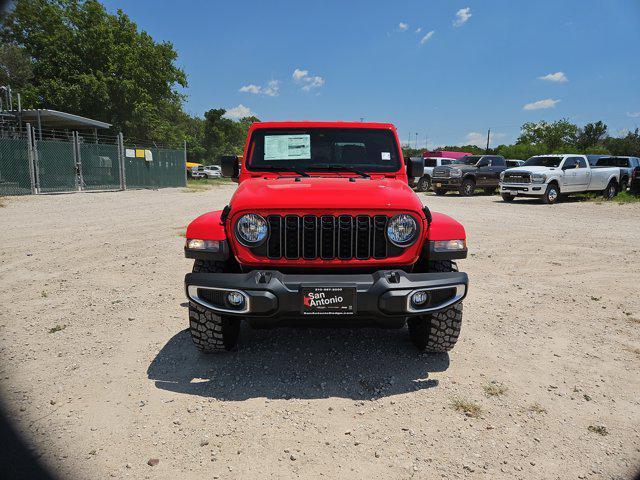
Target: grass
536 408
57 328
599 429
621 198
470 409
494 389
203 184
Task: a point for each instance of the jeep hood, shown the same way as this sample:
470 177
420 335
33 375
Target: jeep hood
324 193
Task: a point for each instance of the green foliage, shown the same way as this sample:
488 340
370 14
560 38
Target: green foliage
627 145
521 151
591 136
89 62
473 149
15 66
553 135
223 136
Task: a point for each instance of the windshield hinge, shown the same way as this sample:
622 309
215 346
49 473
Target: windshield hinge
427 214
225 214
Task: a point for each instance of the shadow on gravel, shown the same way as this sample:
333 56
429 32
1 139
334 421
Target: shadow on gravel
300 363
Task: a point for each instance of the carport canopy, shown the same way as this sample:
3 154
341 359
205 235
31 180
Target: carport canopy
59 120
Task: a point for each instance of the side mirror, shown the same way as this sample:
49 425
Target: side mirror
415 166
230 166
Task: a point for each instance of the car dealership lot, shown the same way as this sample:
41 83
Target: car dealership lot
100 376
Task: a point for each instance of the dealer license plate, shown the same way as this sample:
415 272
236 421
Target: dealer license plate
328 300
438 185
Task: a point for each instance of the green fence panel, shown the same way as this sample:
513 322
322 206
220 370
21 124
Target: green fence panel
15 178
56 166
100 168
166 169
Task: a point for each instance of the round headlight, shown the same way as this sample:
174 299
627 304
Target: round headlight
402 230
251 229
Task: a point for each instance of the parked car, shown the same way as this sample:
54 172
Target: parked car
212 171
634 181
323 226
197 172
471 172
422 184
626 165
512 162
549 176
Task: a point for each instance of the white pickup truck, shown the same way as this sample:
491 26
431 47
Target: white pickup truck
423 183
549 176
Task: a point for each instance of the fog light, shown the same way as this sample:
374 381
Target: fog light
235 299
419 298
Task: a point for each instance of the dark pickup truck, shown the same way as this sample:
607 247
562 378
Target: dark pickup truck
627 167
473 171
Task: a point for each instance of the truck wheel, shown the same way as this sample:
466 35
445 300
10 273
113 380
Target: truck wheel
437 332
423 184
468 188
211 332
507 197
611 190
552 194
624 184
440 192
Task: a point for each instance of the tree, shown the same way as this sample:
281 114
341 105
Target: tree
15 66
89 62
521 151
223 136
627 145
591 135
554 136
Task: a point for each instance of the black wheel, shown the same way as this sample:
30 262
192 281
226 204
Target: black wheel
611 190
624 184
437 332
468 187
489 190
440 192
210 332
507 197
552 194
424 184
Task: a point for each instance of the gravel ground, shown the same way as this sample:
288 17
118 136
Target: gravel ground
100 377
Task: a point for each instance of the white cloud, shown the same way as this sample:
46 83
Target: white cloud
480 139
558 77
307 82
462 16
541 104
427 37
272 89
238 112
633 114
418 30
403 26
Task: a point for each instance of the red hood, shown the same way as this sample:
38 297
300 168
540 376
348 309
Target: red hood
325 193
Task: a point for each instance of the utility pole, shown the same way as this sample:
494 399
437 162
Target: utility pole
409 144
488 139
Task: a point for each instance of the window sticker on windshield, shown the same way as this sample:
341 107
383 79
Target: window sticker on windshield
386 155
287 147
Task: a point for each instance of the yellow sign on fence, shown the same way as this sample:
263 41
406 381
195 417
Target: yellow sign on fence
139 153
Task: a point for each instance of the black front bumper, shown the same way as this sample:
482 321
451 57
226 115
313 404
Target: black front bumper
451 183
274 296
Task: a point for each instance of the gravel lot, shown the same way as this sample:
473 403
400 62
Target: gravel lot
100 376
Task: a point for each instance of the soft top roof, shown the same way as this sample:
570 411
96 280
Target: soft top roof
312 124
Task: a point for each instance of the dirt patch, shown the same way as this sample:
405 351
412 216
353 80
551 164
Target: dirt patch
121 384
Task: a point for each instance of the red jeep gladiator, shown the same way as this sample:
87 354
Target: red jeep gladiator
324 227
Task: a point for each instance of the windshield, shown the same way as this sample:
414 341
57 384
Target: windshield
612 162
371 150
543 162
469 159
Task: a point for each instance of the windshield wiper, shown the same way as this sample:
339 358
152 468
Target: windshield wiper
338 167
270 168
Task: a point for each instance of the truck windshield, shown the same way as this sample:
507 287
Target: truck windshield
370 150
543 162
469 160
612 162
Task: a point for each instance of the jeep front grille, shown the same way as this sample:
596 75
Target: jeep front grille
327 237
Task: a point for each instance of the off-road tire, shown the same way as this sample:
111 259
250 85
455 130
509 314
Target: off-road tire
611 190
624 185
210 332
424 184
440 191
507 197
437 332
549 197
468 188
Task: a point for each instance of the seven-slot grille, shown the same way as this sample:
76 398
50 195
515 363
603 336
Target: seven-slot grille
327 237
517 177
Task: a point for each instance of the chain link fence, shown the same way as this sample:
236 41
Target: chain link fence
68 161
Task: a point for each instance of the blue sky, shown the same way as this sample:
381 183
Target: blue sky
481 67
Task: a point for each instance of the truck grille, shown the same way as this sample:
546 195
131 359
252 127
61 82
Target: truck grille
517 177
441 172
327 237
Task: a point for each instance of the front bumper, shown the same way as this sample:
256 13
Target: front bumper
523 189
275 296
450 183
